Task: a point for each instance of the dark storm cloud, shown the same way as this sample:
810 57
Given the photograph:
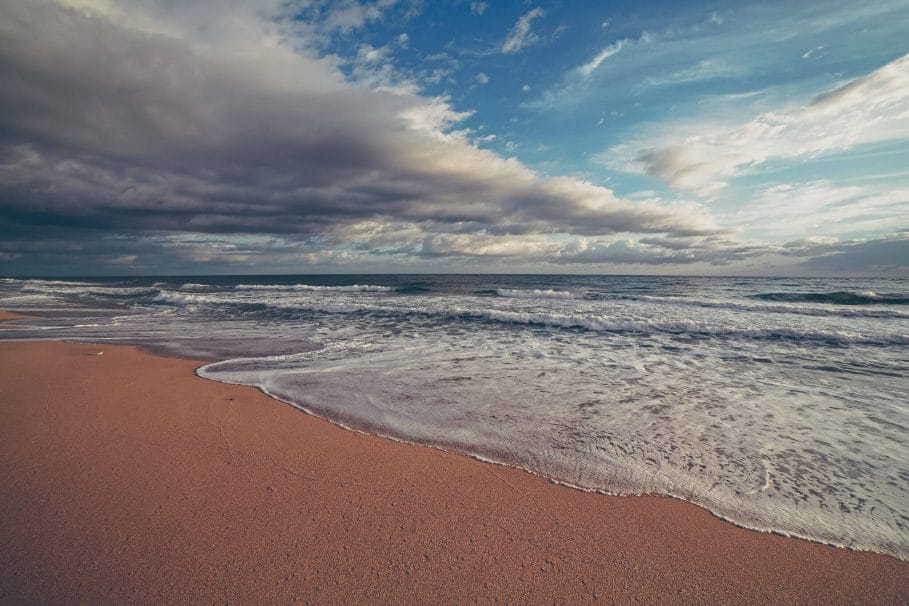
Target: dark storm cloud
124 124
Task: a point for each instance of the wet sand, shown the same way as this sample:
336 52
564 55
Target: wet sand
8 315
129 479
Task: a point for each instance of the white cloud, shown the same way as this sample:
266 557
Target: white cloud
703 70
873 108
521 35
597 60
787 210
488 245
347 16
610 51
370 54
808 53
564 250
478 8
482 78
823 208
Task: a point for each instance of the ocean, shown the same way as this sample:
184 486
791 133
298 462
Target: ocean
778 404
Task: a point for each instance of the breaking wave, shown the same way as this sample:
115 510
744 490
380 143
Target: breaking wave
836 298
308 287
536 293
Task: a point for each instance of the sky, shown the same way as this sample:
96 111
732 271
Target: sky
305 136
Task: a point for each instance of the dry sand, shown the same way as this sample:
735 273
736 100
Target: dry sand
126 478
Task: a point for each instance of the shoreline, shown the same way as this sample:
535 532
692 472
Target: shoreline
540 541
490 461
202 362
9 315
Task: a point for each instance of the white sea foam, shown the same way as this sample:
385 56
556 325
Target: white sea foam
627 421
535 293
47 283
308 287
84 289
677 326
177 298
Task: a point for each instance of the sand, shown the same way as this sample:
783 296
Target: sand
127 479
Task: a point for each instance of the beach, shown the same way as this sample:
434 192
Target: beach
128 479
381 302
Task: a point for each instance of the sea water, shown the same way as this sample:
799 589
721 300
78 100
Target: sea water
778 404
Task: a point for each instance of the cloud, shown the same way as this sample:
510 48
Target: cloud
810 52
521 35
700 72
597 60
578 84
350 15
482 78
870 109
678 251
713 250
150 124
786 210
490 245
478 8
371 54
888 255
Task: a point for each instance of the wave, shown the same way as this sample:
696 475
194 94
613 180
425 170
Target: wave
192 286
784 307
516 293
81 291
577 321
412 289
308 287
39 283
182 299
836 298
607 324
